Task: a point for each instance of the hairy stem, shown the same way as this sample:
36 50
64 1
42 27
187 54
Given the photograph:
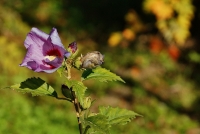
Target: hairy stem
74 99
78 111
68 72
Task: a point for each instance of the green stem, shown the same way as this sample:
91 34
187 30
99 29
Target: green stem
74 99
68 72
78 111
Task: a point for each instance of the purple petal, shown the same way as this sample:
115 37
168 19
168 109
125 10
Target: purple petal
48 47
35 37
67 54
54 38
32 65
33 58
51 71
56 62
54 42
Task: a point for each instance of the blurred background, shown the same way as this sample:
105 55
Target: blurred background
152 44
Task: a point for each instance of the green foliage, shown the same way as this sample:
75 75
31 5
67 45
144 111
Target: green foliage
101 74
40 115
117 115
194 57
78 88
155 112
106 118
87 102
61 70
97 124
35 86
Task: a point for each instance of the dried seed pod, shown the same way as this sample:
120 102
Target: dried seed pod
92 60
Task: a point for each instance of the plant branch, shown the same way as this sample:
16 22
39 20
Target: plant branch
74 98
69 65
78 110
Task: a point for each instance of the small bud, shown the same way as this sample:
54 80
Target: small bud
92 60
66 91
77 63
86 103
72 47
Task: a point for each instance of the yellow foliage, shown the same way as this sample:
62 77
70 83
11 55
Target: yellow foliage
11 25
128 34
115 39
134 23
42 12
134 26
183 21
11 56
175 28
131 17
162 9
180 34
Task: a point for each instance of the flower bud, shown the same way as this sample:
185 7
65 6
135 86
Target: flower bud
66 91
92 60
86 103
77 63
72 47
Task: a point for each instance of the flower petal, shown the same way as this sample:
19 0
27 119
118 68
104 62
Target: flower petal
33 58
35 37
54 38
51 70
67 54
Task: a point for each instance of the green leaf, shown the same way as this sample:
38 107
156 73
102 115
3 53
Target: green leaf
35 86
117 115
100 74
98 124
78 88
61 70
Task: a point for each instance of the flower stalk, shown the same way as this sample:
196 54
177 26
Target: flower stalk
78 110
74 98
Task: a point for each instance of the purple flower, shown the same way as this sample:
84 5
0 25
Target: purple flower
45 53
